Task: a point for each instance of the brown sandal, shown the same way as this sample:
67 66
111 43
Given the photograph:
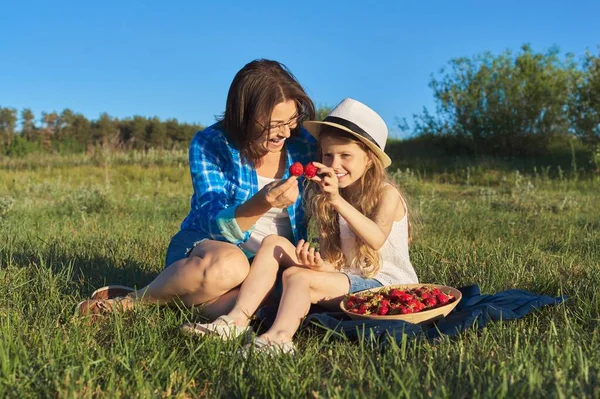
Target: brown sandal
98 307
111 291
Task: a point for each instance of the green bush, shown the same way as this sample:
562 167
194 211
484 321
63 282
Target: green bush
20 147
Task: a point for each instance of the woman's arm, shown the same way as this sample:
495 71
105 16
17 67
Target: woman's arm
212 197
276 195
214 209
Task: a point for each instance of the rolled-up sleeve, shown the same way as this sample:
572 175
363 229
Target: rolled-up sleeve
228 225
214 210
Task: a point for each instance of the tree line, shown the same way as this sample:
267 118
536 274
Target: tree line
71 132
511 104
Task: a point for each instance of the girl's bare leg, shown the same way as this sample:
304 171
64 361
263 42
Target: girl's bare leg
221 305
274 251
301 288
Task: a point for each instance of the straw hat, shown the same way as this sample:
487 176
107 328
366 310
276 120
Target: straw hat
359 120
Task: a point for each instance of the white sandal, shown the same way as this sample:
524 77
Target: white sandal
223 327
264 347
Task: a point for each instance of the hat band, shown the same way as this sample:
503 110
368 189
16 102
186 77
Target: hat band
352 126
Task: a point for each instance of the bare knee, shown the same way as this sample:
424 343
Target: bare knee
272 241
295 275
277 247
223 269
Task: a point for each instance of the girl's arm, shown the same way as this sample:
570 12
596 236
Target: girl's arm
373 232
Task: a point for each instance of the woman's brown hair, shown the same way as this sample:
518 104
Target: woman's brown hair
256 89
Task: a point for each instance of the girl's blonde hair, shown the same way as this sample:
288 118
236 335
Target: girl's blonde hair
365 198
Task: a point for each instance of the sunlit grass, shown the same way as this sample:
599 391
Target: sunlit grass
68 226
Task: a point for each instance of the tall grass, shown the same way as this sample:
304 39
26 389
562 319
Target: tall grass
68 226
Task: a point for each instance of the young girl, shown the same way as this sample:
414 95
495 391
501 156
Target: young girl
364 234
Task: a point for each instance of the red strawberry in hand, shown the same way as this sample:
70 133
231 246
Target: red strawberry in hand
296 169
310 170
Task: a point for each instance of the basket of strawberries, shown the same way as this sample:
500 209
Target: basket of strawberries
414 303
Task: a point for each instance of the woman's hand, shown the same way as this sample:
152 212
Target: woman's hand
328 181
281 194
308 257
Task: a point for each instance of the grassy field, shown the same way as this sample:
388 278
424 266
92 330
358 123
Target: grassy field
71 224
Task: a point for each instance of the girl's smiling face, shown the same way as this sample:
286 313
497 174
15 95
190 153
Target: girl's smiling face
347 158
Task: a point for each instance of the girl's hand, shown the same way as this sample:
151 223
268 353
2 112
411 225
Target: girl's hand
308 257
328 182
281 194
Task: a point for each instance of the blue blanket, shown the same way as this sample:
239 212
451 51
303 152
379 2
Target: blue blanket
473 311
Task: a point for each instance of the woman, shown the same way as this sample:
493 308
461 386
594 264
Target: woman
242 193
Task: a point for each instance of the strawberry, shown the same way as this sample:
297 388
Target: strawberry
442 299
430 302
296 169
310 170
383 310
395 298
405 297
406 310
418 306
414 303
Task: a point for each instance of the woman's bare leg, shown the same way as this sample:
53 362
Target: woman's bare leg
301 287
208 276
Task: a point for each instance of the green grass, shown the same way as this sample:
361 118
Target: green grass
68 226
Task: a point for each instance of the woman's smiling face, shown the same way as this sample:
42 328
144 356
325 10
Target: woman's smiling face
284 119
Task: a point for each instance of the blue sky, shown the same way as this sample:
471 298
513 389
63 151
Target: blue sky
177 59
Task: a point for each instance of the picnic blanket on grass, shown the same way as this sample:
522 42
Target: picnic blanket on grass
473 311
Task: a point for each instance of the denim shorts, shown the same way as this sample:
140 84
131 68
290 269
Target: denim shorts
182 244
359 283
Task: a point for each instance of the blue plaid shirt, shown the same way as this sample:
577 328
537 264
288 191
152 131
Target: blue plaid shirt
222 182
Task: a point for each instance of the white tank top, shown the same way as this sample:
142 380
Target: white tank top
396 267
275 221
